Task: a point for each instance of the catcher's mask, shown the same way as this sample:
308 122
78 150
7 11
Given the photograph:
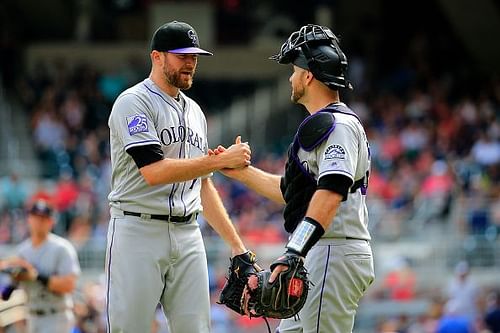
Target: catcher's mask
316 48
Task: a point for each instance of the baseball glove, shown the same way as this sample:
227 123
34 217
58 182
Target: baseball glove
15 271
240 268
284 297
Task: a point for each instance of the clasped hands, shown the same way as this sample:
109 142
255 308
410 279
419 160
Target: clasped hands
237 156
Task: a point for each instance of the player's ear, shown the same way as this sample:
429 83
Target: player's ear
309 77
155 56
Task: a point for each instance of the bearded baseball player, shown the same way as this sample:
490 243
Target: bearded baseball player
324 188
160 182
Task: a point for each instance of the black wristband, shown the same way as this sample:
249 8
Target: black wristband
44 279
307 233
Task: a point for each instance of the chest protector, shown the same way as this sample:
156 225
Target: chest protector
298 184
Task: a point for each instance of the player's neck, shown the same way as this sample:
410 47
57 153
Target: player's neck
320 102
164 86
317 96
38 240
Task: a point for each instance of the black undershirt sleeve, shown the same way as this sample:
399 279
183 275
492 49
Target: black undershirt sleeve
337 183
145 155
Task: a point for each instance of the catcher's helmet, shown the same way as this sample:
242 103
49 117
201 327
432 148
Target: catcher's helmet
316 48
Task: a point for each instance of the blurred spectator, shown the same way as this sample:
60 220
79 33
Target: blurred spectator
453 324
399 284
463 294
433 199
492 316
486 151
478 215
13 192
64 198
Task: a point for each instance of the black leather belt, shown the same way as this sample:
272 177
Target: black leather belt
40 312
168 218
354 238
347 238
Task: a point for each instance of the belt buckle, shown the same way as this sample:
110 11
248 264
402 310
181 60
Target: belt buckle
187 221
145 216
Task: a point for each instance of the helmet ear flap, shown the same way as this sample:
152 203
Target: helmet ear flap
315 69
312 63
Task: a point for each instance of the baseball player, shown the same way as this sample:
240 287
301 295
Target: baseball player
160 182
324 186
47 268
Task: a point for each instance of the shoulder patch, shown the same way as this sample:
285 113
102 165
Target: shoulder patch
334 152
137 124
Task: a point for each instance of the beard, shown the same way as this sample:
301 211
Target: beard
297 93
179 79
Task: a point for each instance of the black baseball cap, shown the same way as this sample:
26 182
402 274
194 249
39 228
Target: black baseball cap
177 37
41 207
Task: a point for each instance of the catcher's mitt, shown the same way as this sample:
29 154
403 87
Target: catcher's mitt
240 268
284 297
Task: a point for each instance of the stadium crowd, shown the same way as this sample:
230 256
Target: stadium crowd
428 148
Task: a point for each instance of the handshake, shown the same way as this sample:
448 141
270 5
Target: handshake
237 156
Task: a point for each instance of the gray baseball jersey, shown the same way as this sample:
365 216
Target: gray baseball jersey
144 115
149 260
48 311
345 152
340 265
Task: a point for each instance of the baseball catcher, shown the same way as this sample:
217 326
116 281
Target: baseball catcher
324 190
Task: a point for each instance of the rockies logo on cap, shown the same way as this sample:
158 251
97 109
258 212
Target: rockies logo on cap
192 35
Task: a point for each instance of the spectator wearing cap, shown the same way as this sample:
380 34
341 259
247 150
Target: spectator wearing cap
52 270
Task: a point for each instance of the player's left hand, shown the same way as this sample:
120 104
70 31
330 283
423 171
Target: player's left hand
276 271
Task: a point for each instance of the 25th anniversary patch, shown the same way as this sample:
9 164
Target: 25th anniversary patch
137 124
